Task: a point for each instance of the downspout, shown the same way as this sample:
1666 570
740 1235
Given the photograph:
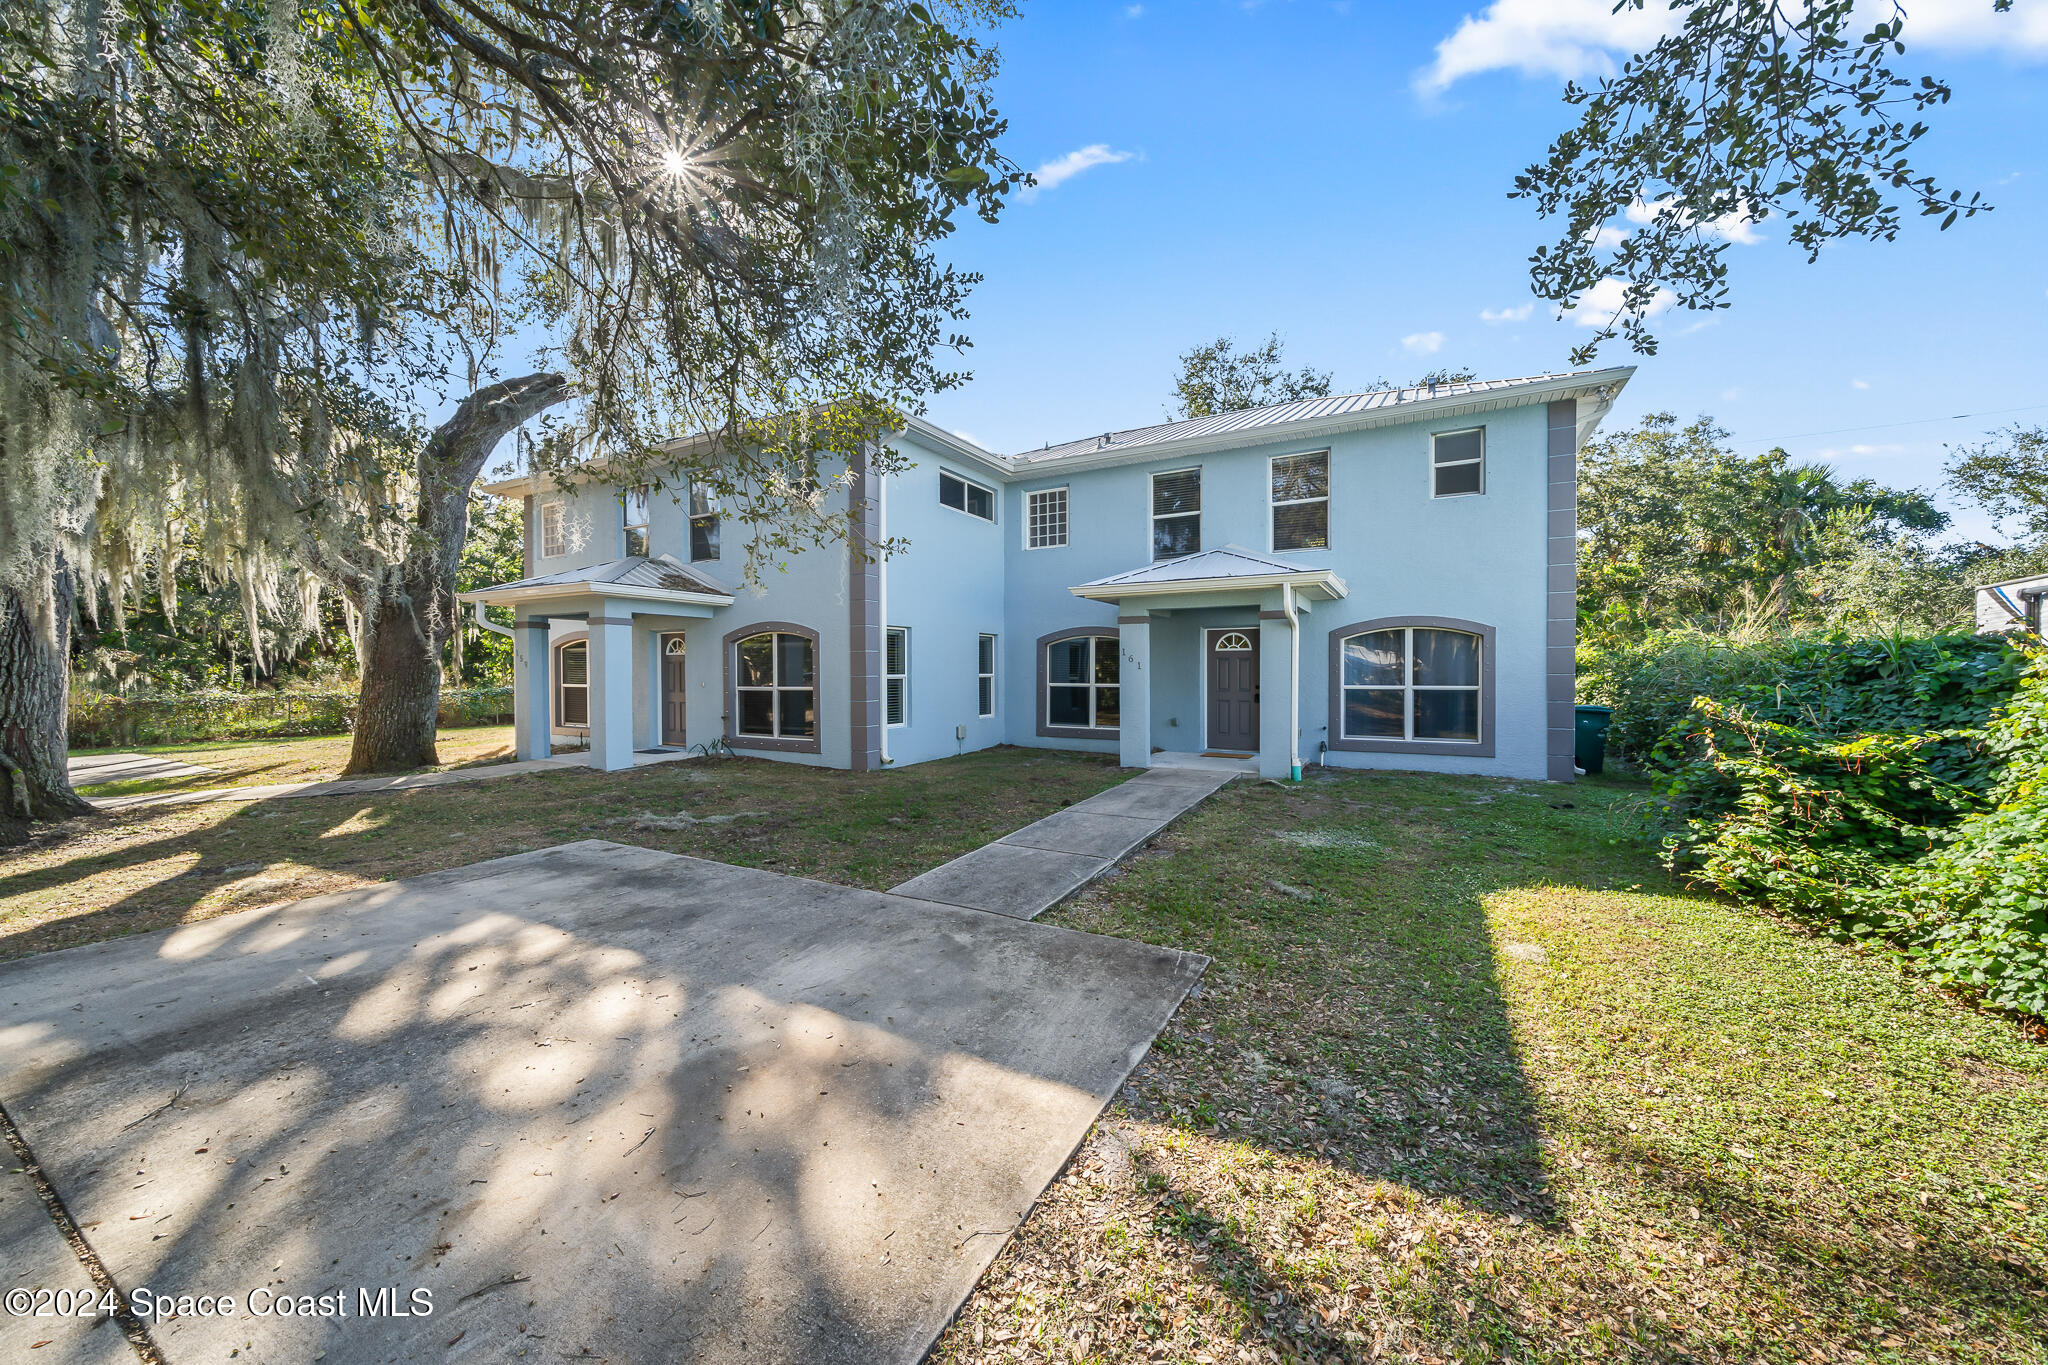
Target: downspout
1293 681
487 623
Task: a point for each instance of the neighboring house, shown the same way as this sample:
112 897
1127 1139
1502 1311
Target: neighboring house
2015 604
1379 580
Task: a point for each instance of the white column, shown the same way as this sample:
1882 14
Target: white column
1276 678
611 688
532 711
1134 729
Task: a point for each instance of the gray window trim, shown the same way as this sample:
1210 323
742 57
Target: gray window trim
1481 461
813 745
555 648
1046 729
1449 748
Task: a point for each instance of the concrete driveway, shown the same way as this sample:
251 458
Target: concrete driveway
594 1103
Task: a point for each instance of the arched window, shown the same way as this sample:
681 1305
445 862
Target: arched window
1412 684
772 680
572 685
1080 694
1234 642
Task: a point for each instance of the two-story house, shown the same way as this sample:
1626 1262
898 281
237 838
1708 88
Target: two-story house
1376 580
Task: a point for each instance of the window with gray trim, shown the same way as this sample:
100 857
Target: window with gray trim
572 688
1082 689
1301 501
963 495
775 686
985 676
1411 683
1458 463
634 504
1176 513
703 522
896 676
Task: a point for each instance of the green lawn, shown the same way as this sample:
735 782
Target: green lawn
1470 1081
314 758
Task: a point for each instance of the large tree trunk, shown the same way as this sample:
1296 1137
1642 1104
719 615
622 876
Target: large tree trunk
414 609
35 692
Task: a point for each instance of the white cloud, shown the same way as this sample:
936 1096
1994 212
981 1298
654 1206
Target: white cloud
1572 39
1599 305
1604 237
1055 173
1731 395
1859 383
1494 317
1134 11
1423 343
1739 228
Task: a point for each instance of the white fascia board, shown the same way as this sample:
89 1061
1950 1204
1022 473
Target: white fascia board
2038 580
1601 386
540 591
948 443
1322 580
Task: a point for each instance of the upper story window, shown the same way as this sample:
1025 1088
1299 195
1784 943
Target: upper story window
1045 519
1176 513
1459 462
965 496
635 502
554 530
1301 501
896 676
775 686
703 522
1412 683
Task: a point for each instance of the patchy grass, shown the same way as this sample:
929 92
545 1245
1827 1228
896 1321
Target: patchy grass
1471 1081
122 873
314 758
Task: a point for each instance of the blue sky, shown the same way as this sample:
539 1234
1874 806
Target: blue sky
1338 172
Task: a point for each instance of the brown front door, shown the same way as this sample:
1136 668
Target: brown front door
672 729
1234 690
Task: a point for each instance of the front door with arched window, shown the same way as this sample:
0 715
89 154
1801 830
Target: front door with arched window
673 728
1233 684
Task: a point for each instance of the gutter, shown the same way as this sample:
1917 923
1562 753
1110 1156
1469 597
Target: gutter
487 623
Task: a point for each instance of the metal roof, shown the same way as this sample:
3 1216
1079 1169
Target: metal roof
661 573
1226 566
1285 414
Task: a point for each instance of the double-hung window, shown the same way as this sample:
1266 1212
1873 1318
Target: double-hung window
1176 513
703 522
1045 519
1458 462
1412 683
963 495
985 676
775 686
635 504
572 690
1081 683
1301 501
896 676
554 530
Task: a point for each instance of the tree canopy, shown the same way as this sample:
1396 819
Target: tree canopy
1216 377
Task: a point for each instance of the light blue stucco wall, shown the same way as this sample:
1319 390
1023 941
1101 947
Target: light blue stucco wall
946 588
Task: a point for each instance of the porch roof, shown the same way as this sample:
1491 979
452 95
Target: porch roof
661 578
1212 570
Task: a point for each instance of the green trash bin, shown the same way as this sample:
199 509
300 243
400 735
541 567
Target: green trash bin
1589 737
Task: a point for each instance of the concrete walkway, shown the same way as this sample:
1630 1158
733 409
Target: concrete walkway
356 786
1026 873
595 1102
90 770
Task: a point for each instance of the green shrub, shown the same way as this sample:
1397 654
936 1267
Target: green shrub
102 720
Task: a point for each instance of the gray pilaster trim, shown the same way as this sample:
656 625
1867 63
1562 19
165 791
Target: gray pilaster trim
729 647
527 623
1046 729
526 550
1562 596
1451 748
863 619
611 620
1134 620
1272 616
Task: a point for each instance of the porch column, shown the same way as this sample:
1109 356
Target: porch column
532 708
611 689
1134 692
1279 726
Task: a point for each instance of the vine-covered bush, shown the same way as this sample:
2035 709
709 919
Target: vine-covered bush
101 720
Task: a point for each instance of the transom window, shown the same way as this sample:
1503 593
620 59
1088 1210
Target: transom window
1235 642
1301 501
554 530
1081 683
966 496
635 503
1176 513
896 676
985 676
775 688
1459 462
703 522
1412 683
572 690
674 648
1045 519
